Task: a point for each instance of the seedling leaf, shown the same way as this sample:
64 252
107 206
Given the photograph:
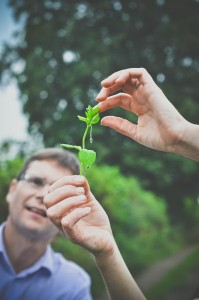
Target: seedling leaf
71 146
95 119
83 119
87 157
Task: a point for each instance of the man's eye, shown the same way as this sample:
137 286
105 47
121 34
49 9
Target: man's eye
37 181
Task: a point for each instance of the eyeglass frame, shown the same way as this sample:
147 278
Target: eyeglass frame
35 181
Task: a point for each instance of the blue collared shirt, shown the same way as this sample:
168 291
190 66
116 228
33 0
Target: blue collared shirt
52 277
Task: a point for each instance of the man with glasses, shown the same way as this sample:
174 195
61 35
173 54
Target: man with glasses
29 268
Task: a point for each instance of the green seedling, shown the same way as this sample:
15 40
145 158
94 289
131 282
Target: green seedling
86 157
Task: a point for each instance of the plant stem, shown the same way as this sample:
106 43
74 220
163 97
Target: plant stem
83 147
84 137
81 169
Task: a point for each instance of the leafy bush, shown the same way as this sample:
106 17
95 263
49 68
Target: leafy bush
190 219
8 170
139 218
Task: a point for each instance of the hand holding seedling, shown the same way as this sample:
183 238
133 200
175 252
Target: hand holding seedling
159 125
86 157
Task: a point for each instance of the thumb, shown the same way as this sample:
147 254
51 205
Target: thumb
120 125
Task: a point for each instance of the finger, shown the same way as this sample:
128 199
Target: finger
123 76
59 210
121 100
112 79
73 217
67 180
120 125
61 193
105 92
117 80
86 188
134 74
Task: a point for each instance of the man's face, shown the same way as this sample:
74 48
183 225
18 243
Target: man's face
25 198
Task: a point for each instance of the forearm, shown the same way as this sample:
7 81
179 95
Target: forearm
188 145
119 282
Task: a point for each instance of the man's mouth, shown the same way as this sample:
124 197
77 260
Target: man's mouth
38 211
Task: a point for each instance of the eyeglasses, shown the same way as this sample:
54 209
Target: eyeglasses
34 181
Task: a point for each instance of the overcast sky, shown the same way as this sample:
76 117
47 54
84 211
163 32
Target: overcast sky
12 122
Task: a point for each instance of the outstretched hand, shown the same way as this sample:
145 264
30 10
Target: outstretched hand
72 208
159 126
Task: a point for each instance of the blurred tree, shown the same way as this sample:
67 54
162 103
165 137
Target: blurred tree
139 218
65 48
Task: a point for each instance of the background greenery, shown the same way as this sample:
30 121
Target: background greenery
64 49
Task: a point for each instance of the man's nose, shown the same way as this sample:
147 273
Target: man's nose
42 191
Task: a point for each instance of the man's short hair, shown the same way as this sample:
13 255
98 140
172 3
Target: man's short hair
63 157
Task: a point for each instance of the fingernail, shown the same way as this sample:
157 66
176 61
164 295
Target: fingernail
98 96
102 123
79 179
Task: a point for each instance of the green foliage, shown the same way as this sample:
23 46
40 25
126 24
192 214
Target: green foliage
87 157
139 218
190 214
68 47
178 277
8 171
139 221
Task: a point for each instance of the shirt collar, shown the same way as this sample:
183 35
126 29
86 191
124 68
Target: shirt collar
2 247
44 262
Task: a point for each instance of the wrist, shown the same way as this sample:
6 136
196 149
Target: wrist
105 257
188 142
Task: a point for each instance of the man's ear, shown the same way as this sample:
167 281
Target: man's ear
11 190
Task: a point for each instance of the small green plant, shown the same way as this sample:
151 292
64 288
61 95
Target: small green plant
86 157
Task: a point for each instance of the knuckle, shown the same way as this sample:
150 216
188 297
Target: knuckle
52 215
144 71
66 224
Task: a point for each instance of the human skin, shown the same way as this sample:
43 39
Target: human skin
84 222
27 233
159 126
